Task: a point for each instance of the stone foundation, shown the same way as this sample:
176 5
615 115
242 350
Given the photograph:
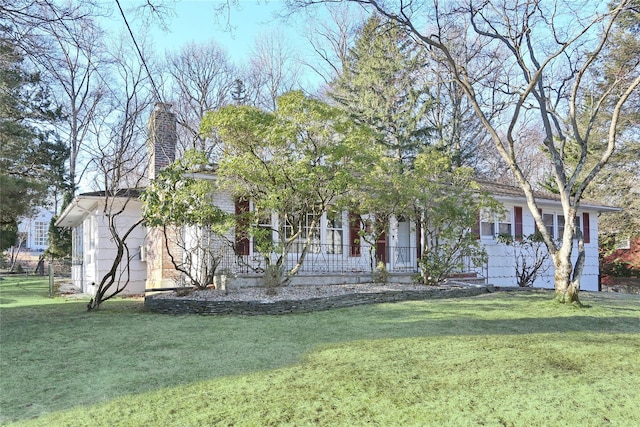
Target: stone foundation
209 307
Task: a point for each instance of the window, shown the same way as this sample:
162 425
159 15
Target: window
487 225
623 243
40 233
92 232
561 227
334 232
548 220
492 225
556 225
77 247
504 224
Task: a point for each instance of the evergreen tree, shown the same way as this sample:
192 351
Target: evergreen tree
31 157
381 86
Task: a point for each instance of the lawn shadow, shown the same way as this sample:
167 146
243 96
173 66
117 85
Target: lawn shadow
147 351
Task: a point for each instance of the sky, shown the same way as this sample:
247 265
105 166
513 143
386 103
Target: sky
196 21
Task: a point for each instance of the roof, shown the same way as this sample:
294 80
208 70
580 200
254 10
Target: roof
504 191
83 204
122 192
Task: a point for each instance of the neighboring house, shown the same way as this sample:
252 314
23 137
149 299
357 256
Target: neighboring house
625 259
338 254
33 232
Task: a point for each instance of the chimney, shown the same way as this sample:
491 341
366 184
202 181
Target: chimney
161 138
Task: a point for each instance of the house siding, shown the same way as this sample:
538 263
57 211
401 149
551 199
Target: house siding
36 228
501 263
100 251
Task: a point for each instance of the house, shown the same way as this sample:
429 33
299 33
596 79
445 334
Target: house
337 254
33 232
518 221
93 248
620 268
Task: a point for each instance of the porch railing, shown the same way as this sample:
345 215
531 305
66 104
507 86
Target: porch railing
343 259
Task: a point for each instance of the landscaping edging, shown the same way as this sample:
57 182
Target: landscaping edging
209 307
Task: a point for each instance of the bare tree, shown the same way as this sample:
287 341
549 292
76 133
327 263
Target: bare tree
72 60
203 77
331 35
529 255
273 70
119 156
548 52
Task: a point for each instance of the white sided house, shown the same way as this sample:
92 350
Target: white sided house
338 254
94 249
518 221
33 231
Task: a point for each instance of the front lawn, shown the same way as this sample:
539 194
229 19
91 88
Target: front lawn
499 359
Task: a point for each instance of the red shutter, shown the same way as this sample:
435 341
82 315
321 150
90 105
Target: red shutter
354 234
476 229
418 240
242 226
517 213
586 228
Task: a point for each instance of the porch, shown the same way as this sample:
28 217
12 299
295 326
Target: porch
331 264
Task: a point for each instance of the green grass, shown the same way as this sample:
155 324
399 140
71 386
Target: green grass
500 359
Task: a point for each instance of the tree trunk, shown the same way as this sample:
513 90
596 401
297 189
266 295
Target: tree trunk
567 290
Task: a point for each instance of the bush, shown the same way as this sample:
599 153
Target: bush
381 275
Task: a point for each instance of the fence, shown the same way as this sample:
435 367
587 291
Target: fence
326 259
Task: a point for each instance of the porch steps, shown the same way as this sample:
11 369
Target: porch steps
468 278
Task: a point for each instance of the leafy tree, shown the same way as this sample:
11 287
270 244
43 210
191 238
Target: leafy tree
194 228
60 239
446 205
295 163
380 86
547 72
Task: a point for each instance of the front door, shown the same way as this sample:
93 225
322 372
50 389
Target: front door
381 248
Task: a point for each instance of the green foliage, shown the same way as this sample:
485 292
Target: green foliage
182 206
373 364
272 279
60 239
446 204
381 275
178 198
295 162
620 269
8 233
32 160
381 86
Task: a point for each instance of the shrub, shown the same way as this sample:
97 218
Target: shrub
381 275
